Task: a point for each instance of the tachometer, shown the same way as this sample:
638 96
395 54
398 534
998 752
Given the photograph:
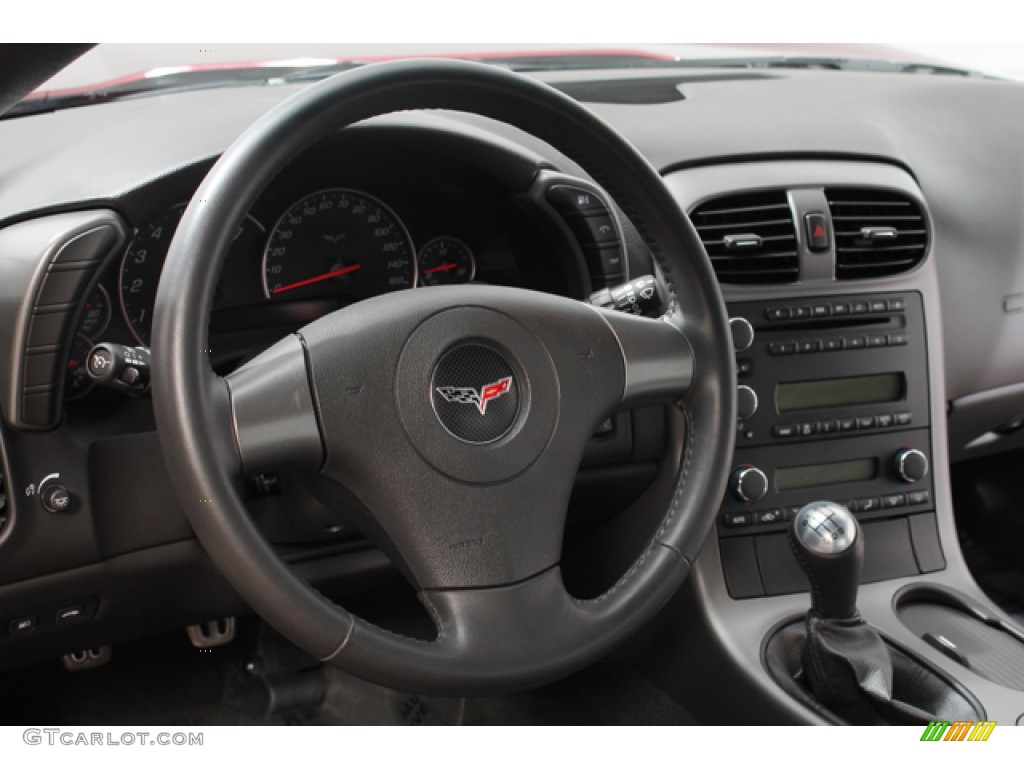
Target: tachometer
446 261
144 260
338 242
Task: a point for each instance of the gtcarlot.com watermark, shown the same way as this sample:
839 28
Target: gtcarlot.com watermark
58 737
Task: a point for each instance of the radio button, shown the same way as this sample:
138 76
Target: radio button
746 402
738 519
902 419
805 429
877 340
856 342
784 430
869 504
894 500
832 345
859 308
918 497
896 305
828 427
744 367
742 333
777 313
808 346
883 420
847 425
877 305
782 348
842 308
865 422
798 313
898 339
821 310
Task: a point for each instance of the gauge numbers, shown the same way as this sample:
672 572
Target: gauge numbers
338 243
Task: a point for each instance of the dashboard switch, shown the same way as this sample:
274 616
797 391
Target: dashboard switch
55 498
119 366
816 225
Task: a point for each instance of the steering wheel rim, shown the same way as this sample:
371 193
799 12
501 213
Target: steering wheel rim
494 611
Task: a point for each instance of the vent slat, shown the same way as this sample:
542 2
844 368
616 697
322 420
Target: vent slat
764 214
858 257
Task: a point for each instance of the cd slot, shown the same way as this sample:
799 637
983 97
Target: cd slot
835 324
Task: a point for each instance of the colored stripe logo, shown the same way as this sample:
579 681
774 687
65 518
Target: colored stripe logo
959 730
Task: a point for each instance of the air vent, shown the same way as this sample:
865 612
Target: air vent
878 232
750 237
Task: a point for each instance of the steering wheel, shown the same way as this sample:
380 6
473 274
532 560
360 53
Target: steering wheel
458 415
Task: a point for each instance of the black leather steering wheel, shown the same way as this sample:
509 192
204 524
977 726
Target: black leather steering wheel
471 509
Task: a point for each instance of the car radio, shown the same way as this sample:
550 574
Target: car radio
832 404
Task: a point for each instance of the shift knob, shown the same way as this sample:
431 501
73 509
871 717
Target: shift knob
829 546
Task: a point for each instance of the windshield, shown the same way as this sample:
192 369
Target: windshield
113 65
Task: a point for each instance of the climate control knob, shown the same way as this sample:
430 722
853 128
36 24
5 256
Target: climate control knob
910 465
747 483
742 333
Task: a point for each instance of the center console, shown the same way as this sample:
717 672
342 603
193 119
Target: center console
833 399
828 272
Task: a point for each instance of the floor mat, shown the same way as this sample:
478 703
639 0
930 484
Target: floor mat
165 681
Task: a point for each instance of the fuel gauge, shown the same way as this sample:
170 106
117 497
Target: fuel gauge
76 379
96 314
446 261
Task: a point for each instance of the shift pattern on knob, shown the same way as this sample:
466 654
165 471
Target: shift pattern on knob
825 527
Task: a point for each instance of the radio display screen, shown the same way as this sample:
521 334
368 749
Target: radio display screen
854 471
832 393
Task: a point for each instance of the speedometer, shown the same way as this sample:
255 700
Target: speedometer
338 242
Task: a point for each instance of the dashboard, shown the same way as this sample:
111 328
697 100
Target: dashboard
876 261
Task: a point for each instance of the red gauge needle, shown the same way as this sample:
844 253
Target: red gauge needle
317 279
442 268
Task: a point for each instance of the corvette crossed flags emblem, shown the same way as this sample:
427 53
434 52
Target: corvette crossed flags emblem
479 398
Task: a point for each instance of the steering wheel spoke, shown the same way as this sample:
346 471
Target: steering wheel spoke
657 357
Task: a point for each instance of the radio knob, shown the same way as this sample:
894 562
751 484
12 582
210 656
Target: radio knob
742 333
746 402
747 483
910 465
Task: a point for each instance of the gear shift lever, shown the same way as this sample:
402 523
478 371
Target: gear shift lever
838 658
829 546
